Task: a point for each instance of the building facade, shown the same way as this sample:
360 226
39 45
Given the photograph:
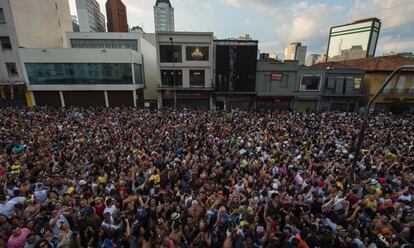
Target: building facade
235 74
90 16
163 16
275 85
377 69
117 16
26 23
295 51
137 41
355 40
185 62
312 59
64 77
287 86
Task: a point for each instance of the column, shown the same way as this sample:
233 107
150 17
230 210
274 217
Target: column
106 99
62 99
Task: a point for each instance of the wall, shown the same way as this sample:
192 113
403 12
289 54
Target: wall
150 69
41 24
264 71
187 39
374 80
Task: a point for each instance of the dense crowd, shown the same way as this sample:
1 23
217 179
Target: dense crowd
122 177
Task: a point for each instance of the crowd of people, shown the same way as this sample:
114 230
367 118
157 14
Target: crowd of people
123 177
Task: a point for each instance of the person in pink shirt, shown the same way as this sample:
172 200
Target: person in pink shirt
18 238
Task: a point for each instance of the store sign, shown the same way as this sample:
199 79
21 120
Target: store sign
276 76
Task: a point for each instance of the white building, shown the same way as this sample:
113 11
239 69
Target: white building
312 59
138 41
185 62
64 77
30 24
295 51
163 16
90 16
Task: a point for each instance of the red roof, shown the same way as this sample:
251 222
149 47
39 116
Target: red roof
383 63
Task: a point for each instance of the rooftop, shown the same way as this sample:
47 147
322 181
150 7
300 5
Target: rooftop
382 63
163 1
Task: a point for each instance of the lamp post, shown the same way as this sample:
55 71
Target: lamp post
361 134
173 54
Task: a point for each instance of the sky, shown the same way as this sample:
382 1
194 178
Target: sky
276 23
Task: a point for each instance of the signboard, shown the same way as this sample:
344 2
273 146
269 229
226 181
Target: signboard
276 76
146 104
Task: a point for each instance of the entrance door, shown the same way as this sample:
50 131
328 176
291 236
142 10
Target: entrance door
220 105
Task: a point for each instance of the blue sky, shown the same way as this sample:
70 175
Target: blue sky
275 23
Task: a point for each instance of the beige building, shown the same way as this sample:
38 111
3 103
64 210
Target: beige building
29 24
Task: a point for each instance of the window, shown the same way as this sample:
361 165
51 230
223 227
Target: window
167 53
167 78
2 18
79 73
196 53
12 70
357 83
400 86
331 83
5 43
310 82
139 74
197 77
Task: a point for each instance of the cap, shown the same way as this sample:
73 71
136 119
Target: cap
82 182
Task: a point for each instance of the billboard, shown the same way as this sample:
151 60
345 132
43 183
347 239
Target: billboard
235 66
354 41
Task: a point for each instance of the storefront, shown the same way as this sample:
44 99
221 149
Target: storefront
273 103
186 99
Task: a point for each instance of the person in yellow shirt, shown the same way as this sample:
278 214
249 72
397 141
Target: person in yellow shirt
103 177
156 178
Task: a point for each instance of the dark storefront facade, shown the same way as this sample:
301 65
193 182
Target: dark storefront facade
235 74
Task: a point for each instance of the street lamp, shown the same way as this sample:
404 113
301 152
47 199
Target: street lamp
173 55
365 123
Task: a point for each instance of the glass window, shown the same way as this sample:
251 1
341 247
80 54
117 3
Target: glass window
100 43
167 78
79 73
108 43
400 86
197 53
12 70
2 18
5 43
357 83
167 53
138 74
310 82
197 77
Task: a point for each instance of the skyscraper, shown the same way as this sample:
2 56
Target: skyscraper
312 59
90 16
163 16
355 40
117 16
295 51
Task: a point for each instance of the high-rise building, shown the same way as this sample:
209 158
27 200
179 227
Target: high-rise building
295 51
354 40
312 59
164 16
31 24
75 23
264 56
90 16
117 16
244 37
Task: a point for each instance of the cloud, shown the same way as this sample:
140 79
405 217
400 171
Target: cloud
269 6
393 13
397 30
